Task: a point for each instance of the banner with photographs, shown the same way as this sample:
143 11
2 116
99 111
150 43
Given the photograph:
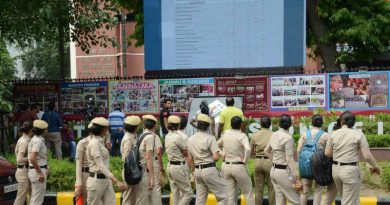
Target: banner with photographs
181 91
253 90
35 94
76 96
359 90
134 96
300 92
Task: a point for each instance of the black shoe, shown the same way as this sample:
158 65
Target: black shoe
71 160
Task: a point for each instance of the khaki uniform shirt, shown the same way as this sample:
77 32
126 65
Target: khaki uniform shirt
235 146
128 142
321 141
282 144
82 155
96 149
37 144
184 135
21 147
202 146
175 144
260 140
346 144
146 145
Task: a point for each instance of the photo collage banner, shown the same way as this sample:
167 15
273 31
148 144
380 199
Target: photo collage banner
335 91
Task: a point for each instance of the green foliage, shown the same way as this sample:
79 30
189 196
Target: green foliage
378 140
7 73
41 60
385 175
363 24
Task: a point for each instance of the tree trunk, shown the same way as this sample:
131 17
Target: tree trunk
327 51
61 49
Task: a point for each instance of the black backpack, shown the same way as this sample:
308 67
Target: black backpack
133 171
322 168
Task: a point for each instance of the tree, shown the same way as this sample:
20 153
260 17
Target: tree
362 24
7 73
26 21
40 60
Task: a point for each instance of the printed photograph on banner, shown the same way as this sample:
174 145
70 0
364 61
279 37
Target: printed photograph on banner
253 90
182 91
75 97
362 90
134 96
35 94
301 91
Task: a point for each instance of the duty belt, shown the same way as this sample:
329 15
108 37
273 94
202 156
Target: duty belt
234 162
98 175
344 164
21 166
261 157
43 167
177 162
204 166
279 166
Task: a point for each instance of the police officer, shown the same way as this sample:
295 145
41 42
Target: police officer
316 122
203 151
284 175
38 168
159 172
21 174
99 182
344 147
237 152
177 168
145 190
262 163
129 140
82 167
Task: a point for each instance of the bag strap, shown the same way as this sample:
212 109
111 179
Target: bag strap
308 136
141 138
319 133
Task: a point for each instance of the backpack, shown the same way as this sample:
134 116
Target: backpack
133 171
322 168
307 152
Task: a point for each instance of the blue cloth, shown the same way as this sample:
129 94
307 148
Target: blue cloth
116 119
54 120
116 140
72 147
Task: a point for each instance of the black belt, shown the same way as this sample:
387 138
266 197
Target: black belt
177 162
261 157
156 158
234 162
279 166
98 175
43 167
344 164
85 169
22 166
204 166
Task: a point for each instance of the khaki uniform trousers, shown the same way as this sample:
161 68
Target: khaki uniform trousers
330 194
262 177
24 186
180 184
143 194
237 176
38 189
283 186
307 184
128 196
156 199
100 191
348 182
85 176
209 179
55 138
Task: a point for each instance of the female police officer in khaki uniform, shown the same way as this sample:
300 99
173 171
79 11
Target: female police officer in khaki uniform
177 169
38 169
344 145
284 173
21 174
99 185
203 152
82 167
129 140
